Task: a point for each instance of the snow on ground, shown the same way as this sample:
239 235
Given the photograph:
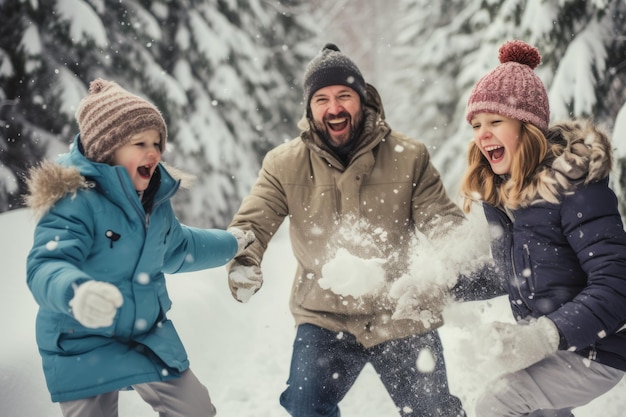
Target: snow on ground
240 351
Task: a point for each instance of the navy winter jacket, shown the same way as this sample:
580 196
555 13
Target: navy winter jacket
567 260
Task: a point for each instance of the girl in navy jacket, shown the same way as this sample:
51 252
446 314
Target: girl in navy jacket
558 243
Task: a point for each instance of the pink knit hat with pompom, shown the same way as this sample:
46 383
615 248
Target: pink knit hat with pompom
513 89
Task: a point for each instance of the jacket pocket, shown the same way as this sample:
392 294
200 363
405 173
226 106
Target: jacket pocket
63 334
164 342
311 296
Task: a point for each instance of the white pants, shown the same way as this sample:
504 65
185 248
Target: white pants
549 388
179 397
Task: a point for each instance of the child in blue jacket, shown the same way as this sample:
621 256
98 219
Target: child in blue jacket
105 237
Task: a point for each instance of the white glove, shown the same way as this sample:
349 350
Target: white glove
244 281
95 303
244 239
526 344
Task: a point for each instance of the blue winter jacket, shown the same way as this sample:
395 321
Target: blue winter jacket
93 227
566 259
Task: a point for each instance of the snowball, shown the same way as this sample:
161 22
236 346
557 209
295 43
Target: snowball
143 278
426 361
349 275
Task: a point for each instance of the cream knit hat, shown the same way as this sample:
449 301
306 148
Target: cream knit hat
109 116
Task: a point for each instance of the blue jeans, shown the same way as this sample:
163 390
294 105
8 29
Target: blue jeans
325 365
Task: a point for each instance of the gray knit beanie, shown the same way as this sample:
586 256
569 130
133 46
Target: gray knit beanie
331 67
109 116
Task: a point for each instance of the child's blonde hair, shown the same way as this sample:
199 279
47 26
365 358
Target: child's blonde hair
524 180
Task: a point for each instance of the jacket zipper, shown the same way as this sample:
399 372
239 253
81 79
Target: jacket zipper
517 284
138 208
509 224
528 267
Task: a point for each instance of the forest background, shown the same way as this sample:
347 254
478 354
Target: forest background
227 75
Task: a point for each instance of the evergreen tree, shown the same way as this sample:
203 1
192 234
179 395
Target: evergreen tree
225 75
449 45
619 176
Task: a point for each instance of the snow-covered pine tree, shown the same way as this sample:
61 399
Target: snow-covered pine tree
23 108
445 50
362 29
618 180
225 74
426 64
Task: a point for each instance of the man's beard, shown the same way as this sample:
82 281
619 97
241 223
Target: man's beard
326 135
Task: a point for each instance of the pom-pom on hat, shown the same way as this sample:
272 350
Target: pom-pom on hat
513 89
331 67
109 116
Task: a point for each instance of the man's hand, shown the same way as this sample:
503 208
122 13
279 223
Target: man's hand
95 303
244 281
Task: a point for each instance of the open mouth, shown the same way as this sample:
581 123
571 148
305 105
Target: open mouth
338 124
145 171
496 153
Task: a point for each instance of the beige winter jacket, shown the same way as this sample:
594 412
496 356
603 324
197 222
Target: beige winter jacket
372 208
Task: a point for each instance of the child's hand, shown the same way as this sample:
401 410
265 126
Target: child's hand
244 239
525 344
95 303
244 281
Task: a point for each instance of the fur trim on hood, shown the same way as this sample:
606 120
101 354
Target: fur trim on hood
587 155
49 182
582 154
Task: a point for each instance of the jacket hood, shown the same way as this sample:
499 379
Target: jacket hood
581 154
51 181
587 153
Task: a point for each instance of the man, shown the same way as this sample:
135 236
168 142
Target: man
348 182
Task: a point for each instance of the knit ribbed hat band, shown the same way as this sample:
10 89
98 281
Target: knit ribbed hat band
331 67
513 89
110 116
507 110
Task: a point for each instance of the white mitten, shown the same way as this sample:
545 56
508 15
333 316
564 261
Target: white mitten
244 239
244 281
95 303
526 344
